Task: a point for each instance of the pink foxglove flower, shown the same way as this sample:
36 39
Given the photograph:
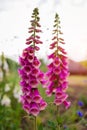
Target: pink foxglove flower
58 68
29 72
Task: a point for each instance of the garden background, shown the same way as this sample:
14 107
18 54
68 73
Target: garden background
14 23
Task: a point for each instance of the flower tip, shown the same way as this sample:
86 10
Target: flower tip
67 104
43 105
79 113
80 103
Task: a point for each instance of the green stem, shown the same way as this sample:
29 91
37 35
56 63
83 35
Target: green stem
35 123
59 127
58 115
57 38
58 110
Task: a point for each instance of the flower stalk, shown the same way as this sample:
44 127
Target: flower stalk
58 68
30 73
35 123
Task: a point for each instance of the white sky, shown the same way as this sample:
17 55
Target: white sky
16 14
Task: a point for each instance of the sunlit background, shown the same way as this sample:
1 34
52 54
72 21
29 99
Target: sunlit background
14 22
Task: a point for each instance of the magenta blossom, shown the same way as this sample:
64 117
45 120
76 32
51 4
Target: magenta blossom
30 73
58 68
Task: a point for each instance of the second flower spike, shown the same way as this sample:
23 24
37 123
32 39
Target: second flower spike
58 68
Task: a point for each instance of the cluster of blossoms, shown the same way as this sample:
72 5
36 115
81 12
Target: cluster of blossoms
30 73
58 68
55 78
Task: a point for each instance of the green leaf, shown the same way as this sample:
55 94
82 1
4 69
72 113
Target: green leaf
59 120
51 124
40 126
55 25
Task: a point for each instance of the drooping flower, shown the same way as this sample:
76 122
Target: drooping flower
65 127
80 103
29 72
79 113
58 68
